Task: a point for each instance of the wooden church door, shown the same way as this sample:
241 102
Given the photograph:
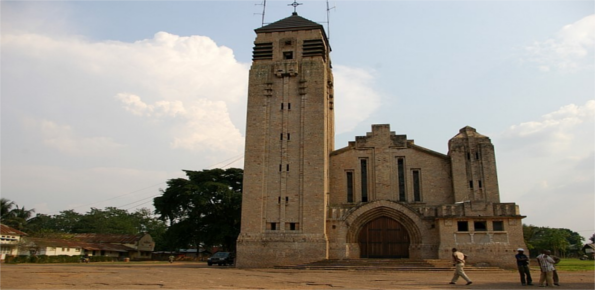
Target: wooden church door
384 238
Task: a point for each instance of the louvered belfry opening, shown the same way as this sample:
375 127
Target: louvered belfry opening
314 47
384 238
262 51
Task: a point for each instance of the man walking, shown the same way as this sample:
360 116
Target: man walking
522 262
459 261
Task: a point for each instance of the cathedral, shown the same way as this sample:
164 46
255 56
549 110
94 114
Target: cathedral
381 196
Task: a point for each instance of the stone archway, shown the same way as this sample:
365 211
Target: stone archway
407 218
383 238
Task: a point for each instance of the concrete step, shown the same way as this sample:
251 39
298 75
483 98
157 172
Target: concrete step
384 265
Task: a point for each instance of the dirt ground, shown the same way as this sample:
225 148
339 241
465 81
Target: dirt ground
188 275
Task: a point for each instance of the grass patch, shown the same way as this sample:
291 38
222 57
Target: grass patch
576 265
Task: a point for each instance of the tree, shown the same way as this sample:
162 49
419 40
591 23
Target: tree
558 240
5 207
15 216
204 209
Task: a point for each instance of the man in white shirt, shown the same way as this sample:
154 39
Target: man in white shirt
459 261
546 264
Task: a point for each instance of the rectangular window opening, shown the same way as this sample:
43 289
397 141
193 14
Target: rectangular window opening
479 184
287 167
401 176
349 186
292 226
288 55
281 136
498 225
288 136
364 170
462 226
480 226
471 184
477 155
416 186
273 226
289 106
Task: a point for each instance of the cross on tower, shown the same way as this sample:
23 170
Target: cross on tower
295 5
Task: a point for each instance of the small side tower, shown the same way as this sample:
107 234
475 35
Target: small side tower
473 162
289 137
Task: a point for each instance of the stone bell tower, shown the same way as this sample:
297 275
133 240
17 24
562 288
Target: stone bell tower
289 136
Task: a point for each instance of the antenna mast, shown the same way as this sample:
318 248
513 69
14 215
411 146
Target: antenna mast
264 6
328 19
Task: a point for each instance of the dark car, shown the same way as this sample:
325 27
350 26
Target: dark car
221 258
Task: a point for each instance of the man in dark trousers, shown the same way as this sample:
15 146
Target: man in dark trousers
522 262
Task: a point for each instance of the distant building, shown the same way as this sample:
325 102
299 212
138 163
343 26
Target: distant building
138 247
382 196
10 239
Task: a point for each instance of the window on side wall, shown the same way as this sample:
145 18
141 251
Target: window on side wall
480 226
498 225
462 226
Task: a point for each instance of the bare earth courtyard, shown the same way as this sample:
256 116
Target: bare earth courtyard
189 275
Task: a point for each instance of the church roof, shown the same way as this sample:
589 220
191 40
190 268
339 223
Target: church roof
468 131
293 22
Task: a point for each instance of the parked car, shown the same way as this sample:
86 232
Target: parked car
221 258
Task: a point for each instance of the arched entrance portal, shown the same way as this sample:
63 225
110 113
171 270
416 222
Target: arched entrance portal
384 238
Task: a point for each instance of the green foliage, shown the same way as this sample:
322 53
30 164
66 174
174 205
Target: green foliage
111 220
576 265
559 241
14 216
204 209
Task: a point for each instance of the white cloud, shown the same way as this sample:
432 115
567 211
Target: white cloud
189 80
548 167
570 50
356 98
64 139
555 131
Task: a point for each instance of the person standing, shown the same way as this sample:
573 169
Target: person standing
459 261
555 274
522 262
546 264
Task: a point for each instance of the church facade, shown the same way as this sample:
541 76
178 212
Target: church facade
382 196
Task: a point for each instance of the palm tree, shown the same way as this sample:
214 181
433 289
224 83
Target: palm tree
6 206
19 217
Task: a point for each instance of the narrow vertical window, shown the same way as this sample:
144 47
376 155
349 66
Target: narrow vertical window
281 136
281 106
364 170
289 106
287 167
471 184
279 167
349 186
468 156
286 199
479 184
401 176
288 136
416 185
477 155
279 199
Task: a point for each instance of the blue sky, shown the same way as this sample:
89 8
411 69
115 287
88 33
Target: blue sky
103 101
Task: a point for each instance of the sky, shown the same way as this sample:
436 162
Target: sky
102 102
